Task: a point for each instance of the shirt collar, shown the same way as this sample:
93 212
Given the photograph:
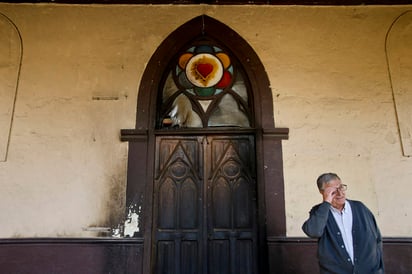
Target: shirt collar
346 208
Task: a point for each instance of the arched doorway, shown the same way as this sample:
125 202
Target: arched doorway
210 186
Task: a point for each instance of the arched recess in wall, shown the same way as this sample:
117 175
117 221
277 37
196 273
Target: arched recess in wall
399 59
142 140
10 62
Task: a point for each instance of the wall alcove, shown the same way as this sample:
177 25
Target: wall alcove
11 52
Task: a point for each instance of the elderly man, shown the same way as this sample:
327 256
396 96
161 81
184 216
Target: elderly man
349 240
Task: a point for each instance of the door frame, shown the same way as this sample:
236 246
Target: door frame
269 162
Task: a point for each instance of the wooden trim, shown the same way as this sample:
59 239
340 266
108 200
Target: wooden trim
272 220
206 131
297 255
71 255
131 135
397 240
277 133
287 255
228 2
52 240
298 240
140 240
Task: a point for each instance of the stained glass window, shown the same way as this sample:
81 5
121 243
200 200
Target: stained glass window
205 87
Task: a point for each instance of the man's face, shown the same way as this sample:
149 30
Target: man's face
339 195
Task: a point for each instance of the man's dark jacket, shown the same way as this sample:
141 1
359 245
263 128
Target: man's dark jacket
332 254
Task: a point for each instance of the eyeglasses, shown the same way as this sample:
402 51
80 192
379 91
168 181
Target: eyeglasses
342 188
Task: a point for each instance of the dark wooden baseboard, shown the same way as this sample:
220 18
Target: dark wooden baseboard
71 256
298 255
295 255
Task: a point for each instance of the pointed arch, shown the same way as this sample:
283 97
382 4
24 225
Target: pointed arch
205 26
142 141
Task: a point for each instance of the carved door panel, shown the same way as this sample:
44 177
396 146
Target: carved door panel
231 197
205 205
178 199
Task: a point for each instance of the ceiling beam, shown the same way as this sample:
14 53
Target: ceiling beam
226 2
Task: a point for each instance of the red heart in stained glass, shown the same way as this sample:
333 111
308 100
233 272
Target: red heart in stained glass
204 69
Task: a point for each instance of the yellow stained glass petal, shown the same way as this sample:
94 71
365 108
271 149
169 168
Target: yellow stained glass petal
224 58
184 59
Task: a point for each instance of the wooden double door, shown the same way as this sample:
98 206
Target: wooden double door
205 208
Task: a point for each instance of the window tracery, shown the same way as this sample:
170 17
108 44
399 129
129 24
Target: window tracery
205 87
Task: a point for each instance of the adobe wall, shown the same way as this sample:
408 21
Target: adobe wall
63 167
